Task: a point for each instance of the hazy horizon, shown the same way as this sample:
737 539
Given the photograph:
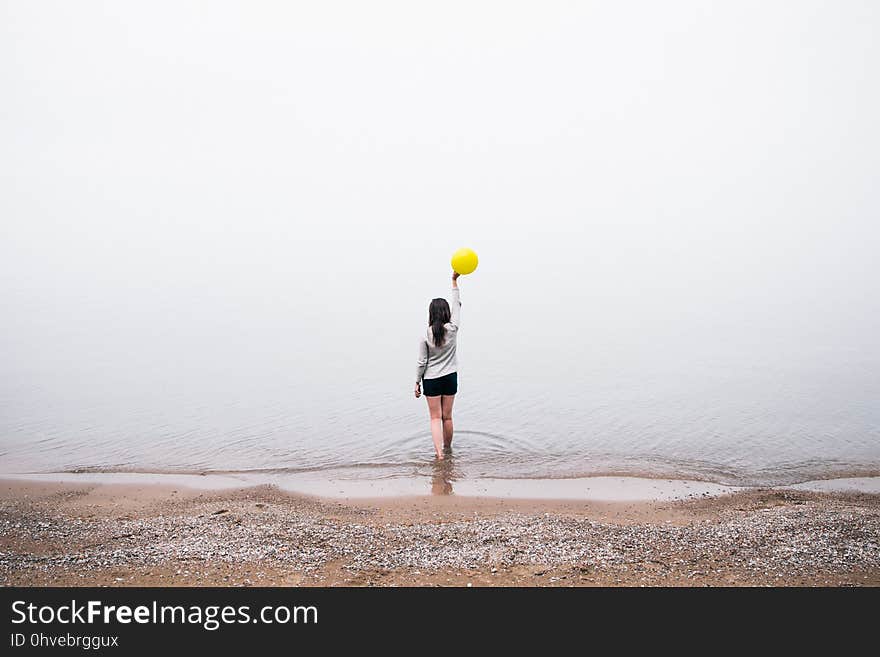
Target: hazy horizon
206 205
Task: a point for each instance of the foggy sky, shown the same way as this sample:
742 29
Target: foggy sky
188 184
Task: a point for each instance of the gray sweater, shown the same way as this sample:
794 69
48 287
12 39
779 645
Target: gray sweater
435 362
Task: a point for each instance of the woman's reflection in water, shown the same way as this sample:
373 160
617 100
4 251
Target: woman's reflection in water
443 476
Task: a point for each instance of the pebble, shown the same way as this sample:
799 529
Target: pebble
780 541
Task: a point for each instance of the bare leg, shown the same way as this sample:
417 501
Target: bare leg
446 414
436 412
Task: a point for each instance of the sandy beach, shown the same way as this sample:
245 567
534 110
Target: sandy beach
148 534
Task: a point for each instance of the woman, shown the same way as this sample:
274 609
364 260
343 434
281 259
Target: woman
438 367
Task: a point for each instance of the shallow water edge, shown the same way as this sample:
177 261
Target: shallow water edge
598 488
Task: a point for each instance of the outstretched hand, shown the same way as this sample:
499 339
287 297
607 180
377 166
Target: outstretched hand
455 275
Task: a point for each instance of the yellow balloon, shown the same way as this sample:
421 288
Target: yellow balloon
464 261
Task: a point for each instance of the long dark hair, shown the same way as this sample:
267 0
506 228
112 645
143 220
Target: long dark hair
438 315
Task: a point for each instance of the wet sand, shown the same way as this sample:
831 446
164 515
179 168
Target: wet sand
330 484
145 534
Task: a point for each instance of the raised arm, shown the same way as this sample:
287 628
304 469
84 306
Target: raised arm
455 307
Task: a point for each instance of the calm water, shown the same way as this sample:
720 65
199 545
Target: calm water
738 407
220 259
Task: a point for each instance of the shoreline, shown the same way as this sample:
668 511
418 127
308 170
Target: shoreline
605 488
146 533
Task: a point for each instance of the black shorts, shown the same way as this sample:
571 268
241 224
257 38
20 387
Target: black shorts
445 385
